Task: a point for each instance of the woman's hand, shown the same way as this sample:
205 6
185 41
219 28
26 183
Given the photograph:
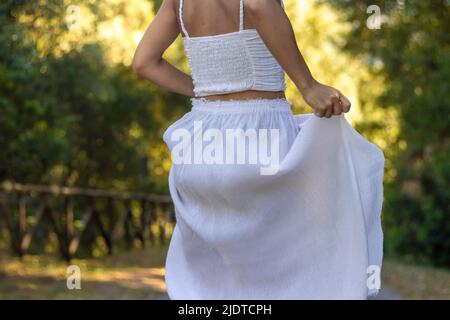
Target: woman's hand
326 101
271 21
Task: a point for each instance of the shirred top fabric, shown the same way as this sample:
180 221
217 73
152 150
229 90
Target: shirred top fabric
231 62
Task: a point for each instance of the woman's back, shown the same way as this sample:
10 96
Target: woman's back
203 18
229 59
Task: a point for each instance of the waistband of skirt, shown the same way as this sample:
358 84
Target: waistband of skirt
241 105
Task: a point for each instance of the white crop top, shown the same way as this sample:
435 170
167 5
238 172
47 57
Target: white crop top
231 62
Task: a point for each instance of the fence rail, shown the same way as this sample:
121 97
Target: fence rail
71 214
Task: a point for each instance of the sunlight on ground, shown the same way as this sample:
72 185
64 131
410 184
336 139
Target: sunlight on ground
135 275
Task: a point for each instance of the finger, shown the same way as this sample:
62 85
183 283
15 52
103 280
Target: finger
329 112
337 107
319 112
346 104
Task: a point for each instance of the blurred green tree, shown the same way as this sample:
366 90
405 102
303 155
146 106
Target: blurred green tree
71 111
411 52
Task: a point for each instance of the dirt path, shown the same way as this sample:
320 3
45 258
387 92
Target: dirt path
387 293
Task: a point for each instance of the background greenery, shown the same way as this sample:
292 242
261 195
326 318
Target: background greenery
411 53
72 113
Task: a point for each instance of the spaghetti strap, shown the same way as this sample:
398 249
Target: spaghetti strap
183 28
241 15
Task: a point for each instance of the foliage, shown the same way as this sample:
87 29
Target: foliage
68 114
411 52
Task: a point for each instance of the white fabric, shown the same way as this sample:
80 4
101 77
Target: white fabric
310 231
231 62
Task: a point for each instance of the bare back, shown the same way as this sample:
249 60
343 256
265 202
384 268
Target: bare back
208 18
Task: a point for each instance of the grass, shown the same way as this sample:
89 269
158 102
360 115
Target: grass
415 281
137 274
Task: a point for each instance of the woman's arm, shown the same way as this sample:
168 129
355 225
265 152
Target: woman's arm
148 61
274 27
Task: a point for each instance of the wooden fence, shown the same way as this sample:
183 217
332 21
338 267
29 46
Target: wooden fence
71 215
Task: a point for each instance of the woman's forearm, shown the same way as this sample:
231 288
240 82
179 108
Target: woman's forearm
279 38
165 75
277 33
148 62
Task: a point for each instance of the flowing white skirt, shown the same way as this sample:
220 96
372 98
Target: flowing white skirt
309 230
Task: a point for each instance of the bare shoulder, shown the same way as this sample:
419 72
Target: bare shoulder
170 4
259 4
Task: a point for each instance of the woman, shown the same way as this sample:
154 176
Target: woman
283 207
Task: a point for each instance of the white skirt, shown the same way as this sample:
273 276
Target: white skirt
308 228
